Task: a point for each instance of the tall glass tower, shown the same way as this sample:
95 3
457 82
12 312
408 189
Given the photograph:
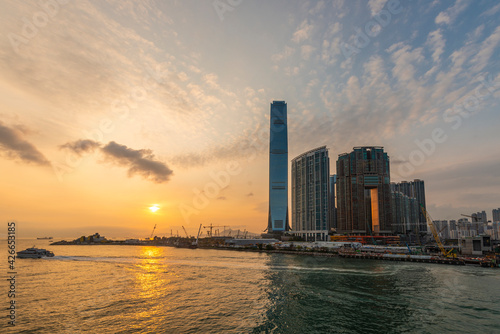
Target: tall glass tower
278 169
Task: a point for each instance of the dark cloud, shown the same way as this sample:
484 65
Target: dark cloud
249 194
81 146
139 162
16 147
221 198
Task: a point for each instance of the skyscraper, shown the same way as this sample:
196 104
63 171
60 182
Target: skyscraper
414 189
332 213
278 169
405 211
310 194
496 215
364 192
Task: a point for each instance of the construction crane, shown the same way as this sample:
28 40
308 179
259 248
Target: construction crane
475 219
436 235
151 237
187 235
441 230
211 227
197 237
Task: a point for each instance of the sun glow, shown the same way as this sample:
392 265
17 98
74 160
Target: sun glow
154 208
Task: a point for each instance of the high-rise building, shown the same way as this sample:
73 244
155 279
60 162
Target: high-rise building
480 217
415 189
278 169
332 212
405 211
364 192
496 215
453 229
479 222
310 194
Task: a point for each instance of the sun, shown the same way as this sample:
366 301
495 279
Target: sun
154 208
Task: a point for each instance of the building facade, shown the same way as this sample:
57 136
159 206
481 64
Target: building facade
278 169
405 213
364 192
332 211
414 189
310 195
496 215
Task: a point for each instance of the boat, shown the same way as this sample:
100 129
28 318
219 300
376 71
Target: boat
45 238
34 253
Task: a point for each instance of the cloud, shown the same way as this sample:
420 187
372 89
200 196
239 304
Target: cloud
437 43
486 50
81 146
139 162
250 194
16 147
306 51
449 15
286 53
303 32
376 6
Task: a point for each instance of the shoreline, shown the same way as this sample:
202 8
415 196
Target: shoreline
461 261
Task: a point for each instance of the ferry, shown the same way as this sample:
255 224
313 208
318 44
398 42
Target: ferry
34 253
45 238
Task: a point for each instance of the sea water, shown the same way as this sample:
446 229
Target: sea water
145 289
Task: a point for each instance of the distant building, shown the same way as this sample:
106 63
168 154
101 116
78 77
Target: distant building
452 225
442 227
466 228
496 215
278 169
332 211
415 189
363 192
495 230
310 195
405 212
479 222
480 217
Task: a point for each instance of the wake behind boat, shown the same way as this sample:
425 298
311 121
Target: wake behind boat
34 253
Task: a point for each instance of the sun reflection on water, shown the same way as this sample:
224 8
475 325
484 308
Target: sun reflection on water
151 272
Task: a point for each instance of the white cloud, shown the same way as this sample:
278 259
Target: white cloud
449 15
376 6
437 44
285 54
480 61
303 32
491 11
404 59
306 51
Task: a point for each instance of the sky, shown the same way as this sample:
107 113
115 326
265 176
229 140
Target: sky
110 107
